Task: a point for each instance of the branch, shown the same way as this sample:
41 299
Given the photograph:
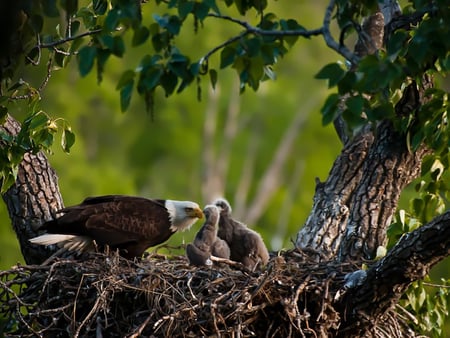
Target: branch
341 49
67 39
264 32
306 33
410 260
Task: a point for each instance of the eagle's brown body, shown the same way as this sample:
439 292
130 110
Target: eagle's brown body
127 223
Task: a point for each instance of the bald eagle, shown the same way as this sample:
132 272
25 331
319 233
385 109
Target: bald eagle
127 223
199 251
246 245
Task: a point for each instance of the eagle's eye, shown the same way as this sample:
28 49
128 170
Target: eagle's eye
188 209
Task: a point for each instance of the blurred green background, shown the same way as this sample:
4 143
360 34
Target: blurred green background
163 155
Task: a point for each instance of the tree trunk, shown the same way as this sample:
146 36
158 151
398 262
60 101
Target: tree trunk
32 200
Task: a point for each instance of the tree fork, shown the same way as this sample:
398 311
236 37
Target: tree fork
409 260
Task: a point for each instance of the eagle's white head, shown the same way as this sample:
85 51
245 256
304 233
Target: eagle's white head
182 214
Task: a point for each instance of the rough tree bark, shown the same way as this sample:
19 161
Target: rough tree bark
32 200
354 207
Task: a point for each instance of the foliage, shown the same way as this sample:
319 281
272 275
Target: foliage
428 303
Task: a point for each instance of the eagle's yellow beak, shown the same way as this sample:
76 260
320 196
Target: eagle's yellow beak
195 213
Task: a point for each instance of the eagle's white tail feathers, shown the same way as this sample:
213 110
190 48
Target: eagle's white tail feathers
69 242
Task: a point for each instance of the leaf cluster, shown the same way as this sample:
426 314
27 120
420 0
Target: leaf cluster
428 303
370 91
36 134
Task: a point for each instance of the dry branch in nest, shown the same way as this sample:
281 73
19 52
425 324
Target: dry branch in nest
158 296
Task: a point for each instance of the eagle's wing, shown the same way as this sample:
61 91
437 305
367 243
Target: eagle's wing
116 198
115 219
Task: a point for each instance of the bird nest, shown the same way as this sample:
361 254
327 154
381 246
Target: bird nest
163 296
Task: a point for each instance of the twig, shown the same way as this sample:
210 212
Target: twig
138 331
249 29
67 39
307 33
341 49
224 44
226 261
258 31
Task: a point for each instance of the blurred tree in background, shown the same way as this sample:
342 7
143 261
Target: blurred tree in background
126 153
262 150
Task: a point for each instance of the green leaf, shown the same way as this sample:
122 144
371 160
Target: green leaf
115 44
252 46
201 10
7 180
37 22
100 6
126 78
355 104
149 80
125 96
437 169
86 58
106 41
395 43
171 23
213 77
330 109
227 56
67 139
427 163
38 120
347 83
74 27
169 82
49 7
61 59
212 4
3 114
112 19
43 137
354 120
185 7
332 72
383 111
71 6
88 17
102 57
118 46
256 72
140 35
417 206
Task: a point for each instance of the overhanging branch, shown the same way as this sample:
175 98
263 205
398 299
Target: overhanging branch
56 43
410 260
306 33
